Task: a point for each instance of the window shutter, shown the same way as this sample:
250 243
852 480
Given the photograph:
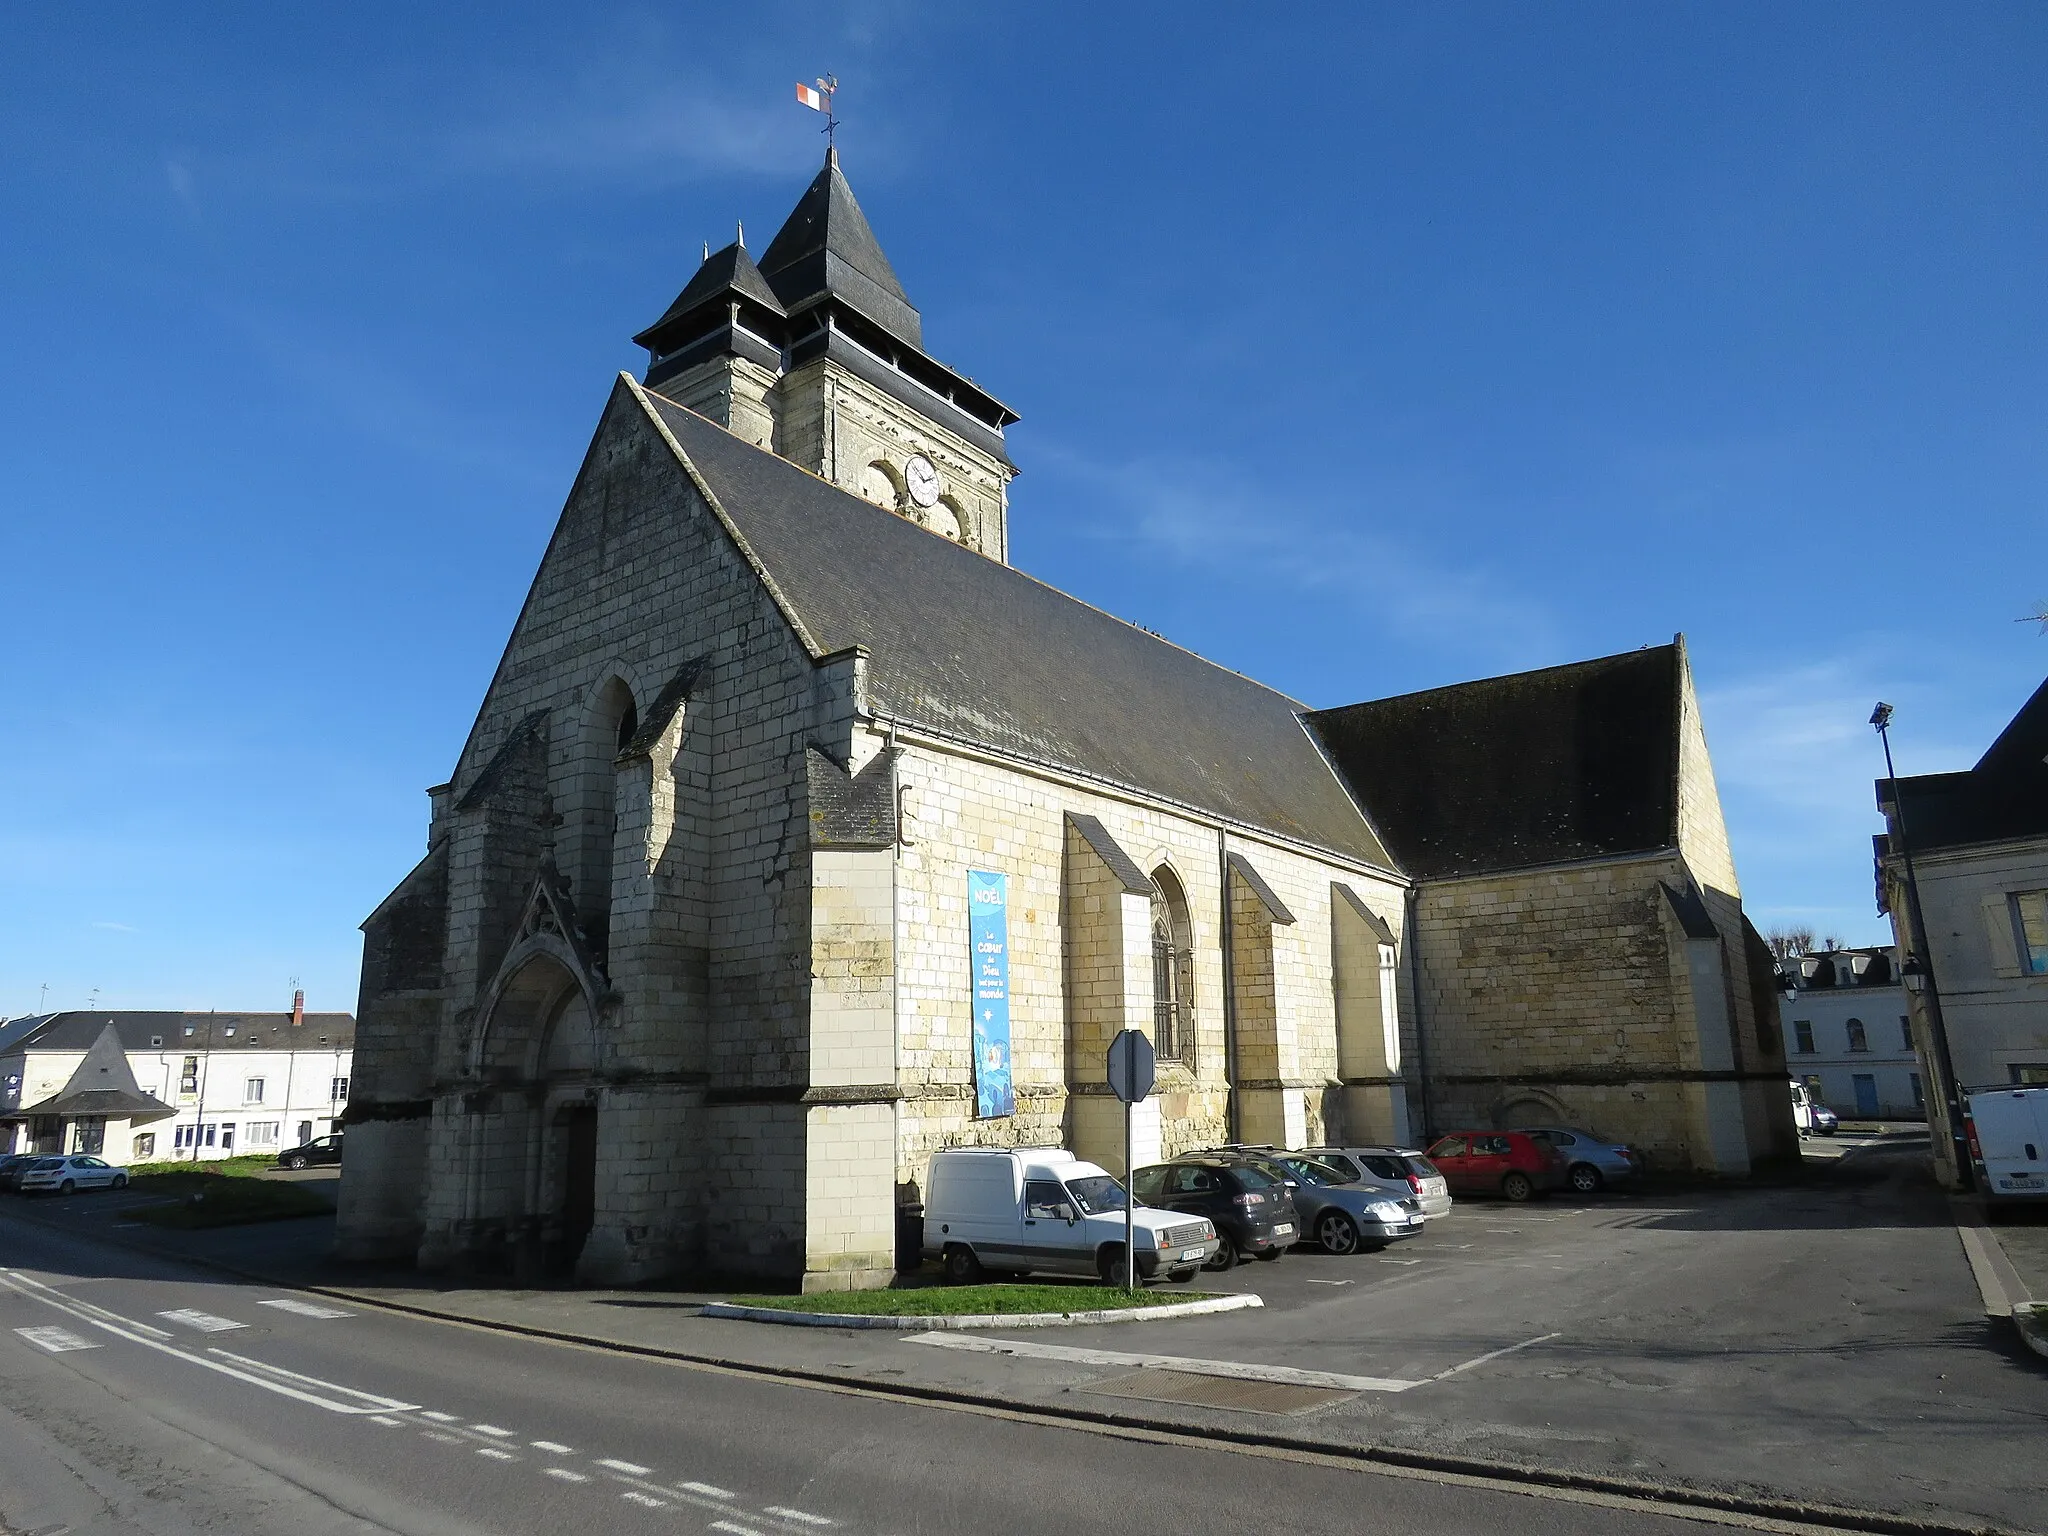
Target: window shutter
2005 952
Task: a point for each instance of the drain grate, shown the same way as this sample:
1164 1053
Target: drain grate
1185 1387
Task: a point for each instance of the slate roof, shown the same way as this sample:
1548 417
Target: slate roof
76 1031
1541 767
972 649
103 1084
2005 796
730 270
826 246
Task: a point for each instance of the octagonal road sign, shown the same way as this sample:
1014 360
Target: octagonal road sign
1131 1062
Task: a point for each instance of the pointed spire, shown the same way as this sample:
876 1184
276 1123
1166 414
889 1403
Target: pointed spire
741 226
826 246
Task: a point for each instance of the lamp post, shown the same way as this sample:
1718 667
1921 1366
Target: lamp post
1916 969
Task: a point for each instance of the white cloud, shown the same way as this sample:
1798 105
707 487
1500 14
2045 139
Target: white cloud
114 927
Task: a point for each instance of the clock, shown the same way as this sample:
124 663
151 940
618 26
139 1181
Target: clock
922 481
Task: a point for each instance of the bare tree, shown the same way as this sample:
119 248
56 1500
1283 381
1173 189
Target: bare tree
1833 942
1789 943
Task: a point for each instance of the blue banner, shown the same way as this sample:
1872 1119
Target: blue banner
988 925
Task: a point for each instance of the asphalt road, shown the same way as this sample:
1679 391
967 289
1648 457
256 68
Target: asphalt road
140 1396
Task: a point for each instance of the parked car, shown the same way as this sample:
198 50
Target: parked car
1513 1164
1250 1210
1592 1162
1045 1209
321 1149
64 1175
1341 1215
11 1169
1810 1114
2007 1131
1400 1171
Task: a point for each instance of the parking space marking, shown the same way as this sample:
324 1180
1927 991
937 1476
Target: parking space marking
58 1341
304 1308
1234 1369
630 1468
804 1516
566 1475
709 1490
1543 1338
1343 1282
204 1322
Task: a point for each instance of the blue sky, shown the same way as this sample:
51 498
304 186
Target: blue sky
1362 348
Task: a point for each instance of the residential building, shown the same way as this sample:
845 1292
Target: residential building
1849 1035
1979 843
229 1083
799 836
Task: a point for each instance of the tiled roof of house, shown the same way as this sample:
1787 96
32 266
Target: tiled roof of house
140 1030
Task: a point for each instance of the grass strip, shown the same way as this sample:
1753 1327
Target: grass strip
971 1300
217 1195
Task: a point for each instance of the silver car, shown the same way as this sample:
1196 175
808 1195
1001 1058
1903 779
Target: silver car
62 1175
1339 1216
1594 1161
1402 1172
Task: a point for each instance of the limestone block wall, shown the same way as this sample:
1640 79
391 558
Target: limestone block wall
849 1196
963 811
755 1167
835 424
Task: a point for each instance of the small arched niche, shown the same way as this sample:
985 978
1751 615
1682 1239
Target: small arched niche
881 485
944 519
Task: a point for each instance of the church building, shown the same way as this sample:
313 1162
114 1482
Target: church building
799 836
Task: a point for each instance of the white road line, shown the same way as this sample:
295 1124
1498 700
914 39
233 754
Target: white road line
114 1317
709 1491
1234 1369
645 1498
270 1378
58 1341
492 1430
385 1418
438 1418
565 1474
439 1438
495 1454
304 1308
205 1322
1334 1282
734 1530
1492 1355
796 1514
1395 1261
555 1447
631 1469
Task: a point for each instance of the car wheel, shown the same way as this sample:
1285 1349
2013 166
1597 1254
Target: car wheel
295 1162
962 1267
1516 1187
1337 1233
1586 1179
68 1187
120 1181
1226 1255
1110 1265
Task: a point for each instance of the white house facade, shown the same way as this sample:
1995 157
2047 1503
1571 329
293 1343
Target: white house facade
1849 1035
234 1082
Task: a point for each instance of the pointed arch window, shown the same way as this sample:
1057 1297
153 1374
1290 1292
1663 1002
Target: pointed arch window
1173 970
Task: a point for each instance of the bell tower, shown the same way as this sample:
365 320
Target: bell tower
818 354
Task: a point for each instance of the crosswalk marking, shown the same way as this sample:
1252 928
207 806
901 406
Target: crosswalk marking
709 1490
204 1322
630 1468
566 1475
57 1341
304 1308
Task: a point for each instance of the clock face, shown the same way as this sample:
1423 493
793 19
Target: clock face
922 481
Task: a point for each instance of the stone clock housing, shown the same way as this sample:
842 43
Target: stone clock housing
816 354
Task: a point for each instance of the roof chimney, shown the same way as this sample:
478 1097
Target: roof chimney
298 1006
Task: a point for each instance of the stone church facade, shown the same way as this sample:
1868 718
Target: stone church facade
685 978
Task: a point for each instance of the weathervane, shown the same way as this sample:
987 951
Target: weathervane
819 99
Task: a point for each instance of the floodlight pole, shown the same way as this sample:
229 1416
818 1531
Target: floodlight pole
1930 995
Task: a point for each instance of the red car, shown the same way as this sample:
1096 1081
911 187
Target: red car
1513 1164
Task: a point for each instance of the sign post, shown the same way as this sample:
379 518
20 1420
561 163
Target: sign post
1131 1071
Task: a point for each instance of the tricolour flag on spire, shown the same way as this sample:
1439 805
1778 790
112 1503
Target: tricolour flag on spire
813 98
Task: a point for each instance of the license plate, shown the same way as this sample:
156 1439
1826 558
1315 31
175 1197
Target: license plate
2022 1181
1190 1253
1284 1229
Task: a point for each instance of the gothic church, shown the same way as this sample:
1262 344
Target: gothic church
690 978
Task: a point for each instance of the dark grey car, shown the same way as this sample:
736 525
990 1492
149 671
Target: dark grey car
1593 1162
1338 1214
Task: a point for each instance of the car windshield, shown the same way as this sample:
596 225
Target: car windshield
1254 1178
1096 1194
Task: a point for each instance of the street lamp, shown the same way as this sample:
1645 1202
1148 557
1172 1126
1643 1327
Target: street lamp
1916 971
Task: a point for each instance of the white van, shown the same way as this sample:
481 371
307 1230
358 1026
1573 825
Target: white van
1809 1114
2008 1135
1042 1208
